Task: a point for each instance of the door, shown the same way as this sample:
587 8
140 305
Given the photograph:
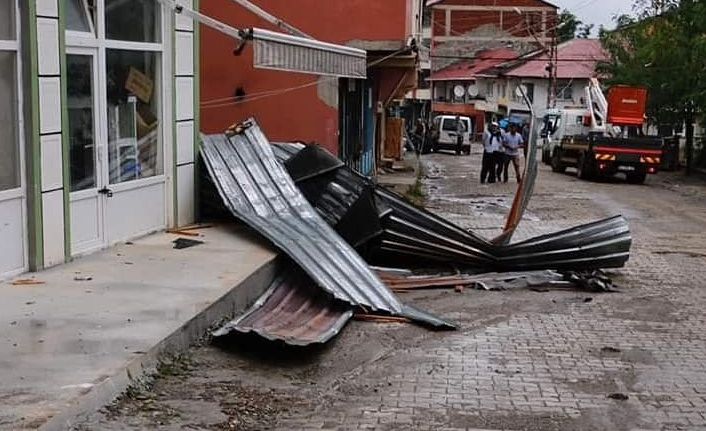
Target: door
86 155
134 177
447 134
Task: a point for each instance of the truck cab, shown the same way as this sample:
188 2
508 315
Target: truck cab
558 123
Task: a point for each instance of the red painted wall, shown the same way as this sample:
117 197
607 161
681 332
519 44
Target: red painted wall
297 114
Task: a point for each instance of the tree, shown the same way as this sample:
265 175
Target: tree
663 48
567 24
584 31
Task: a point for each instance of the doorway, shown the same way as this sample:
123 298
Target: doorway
85 154
118 187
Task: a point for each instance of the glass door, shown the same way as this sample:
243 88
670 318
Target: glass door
86 158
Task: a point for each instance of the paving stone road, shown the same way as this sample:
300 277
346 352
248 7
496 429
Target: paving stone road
522 360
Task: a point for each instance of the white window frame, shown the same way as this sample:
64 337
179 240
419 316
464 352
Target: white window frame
91 24
14 46
21 191
99 41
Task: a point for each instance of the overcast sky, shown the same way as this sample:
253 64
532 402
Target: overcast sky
595 11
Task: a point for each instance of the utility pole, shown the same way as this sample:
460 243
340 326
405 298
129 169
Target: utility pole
552 69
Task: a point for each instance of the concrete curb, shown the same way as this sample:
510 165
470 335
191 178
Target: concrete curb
237 300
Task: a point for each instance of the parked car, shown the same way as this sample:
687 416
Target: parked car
443 134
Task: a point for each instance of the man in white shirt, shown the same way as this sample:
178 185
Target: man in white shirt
492 142
512 143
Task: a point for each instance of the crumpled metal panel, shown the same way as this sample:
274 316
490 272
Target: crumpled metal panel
413 236
602 244
293 310
257 189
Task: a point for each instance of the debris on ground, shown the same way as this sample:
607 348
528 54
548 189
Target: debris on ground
26 282
304 314
333 223
182 243
618 396
401 281
83 278
259 191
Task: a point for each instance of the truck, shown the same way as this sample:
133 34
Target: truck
604 137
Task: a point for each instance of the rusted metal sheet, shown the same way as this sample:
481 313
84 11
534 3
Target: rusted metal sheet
293 310
257 189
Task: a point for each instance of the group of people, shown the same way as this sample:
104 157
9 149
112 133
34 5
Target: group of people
500 147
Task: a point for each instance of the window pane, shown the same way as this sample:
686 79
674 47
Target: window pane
81 131
134 144
9 151
132 20
78 15
7 20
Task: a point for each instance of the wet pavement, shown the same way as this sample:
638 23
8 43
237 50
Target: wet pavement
522 360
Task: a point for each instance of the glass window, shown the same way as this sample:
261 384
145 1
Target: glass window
133 115
81 131
7 20
449 125
132 20
79 15
564 90
9 148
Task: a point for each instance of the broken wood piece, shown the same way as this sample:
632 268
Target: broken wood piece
195 227
26 282
180 232
381 319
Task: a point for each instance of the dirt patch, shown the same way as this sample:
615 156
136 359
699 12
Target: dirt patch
618 382
525 422
646 310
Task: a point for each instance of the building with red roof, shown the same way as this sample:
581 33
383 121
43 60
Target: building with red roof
483 87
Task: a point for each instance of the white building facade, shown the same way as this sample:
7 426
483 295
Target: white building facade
99 106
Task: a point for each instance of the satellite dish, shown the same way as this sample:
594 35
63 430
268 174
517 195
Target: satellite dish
473 90
459 91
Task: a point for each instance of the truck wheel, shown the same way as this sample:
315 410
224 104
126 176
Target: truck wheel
557 166
637 177
583 170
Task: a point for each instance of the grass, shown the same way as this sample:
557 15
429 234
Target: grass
415 194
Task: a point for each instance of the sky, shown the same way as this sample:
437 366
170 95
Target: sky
595 11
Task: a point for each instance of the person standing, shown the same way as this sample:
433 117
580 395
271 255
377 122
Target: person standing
492 140
499 155
419 135
513 142
460 131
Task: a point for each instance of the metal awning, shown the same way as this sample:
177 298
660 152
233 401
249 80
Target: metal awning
281 51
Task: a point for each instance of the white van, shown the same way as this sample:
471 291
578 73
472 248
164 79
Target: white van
443 134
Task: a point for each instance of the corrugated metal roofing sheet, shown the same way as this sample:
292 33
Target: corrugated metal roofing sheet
294 310
257 189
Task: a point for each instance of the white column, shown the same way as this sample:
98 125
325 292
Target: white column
50 128
185 53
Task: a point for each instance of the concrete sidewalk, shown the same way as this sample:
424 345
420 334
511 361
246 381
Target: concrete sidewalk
68 347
